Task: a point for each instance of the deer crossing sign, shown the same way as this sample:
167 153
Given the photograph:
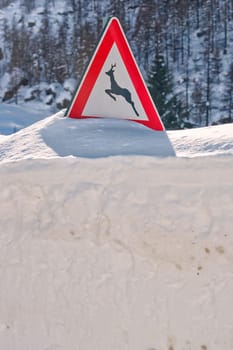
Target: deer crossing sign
112 85
117 90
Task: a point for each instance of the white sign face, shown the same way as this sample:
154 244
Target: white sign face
114 95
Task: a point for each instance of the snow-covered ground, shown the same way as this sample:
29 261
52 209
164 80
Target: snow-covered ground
15 117
108 241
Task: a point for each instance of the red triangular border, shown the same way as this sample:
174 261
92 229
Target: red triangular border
113 33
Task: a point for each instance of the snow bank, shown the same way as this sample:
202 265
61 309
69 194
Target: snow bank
58 136
104 245
116 253
206 141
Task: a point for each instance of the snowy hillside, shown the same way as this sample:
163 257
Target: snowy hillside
104 245
185 46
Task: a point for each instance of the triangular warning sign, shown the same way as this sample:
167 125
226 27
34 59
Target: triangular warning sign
112 86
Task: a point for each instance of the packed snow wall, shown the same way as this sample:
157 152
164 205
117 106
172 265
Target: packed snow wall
117 253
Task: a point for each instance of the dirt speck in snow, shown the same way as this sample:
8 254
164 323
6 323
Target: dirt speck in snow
220 249
178 266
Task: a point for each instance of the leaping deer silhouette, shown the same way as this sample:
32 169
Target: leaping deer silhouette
117 90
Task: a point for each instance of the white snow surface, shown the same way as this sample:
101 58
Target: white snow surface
108 241
15 117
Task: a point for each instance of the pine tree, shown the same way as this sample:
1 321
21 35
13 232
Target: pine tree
168 104
228 97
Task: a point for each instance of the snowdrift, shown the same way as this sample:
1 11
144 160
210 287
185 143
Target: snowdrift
56 136
88 138
124 252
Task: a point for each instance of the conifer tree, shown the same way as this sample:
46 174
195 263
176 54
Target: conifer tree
228 97
161 89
